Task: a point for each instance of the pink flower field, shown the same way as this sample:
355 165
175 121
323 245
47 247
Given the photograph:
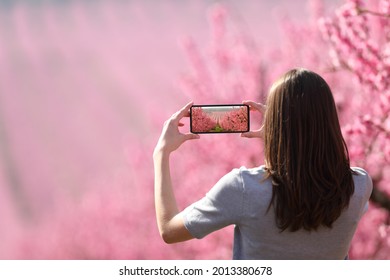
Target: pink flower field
85 87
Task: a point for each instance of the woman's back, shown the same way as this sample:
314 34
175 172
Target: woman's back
239 198
325 243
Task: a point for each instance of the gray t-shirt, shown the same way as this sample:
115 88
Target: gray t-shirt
241 198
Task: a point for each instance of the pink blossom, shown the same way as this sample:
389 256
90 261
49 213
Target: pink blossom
236 120
201 121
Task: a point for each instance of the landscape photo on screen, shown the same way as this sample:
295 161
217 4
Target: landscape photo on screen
219 119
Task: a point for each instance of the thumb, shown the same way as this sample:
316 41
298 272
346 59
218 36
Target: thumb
191 136
251 134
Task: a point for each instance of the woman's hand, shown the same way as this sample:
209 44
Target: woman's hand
259 108
171 138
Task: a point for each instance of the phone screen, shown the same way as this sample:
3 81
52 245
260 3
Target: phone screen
232 118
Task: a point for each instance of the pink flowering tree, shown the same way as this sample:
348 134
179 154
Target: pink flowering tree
201 121
358 37
235 120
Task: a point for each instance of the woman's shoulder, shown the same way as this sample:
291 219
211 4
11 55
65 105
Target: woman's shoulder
360 175
243 175
258 171
362 180
252 177
360 171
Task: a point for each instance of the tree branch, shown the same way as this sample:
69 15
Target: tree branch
365 11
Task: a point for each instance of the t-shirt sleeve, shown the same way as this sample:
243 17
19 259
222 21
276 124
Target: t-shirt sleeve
221 206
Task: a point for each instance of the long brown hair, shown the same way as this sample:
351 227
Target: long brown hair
305 153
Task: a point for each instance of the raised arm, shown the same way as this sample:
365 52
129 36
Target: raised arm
169 220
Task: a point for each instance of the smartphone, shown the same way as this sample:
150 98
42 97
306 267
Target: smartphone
231 118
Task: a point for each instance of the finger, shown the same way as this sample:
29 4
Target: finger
252 134
248 135
257 106
191 136
183 111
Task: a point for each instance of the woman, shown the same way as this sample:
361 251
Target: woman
303 203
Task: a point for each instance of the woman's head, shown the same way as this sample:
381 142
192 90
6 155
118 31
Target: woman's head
305 153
